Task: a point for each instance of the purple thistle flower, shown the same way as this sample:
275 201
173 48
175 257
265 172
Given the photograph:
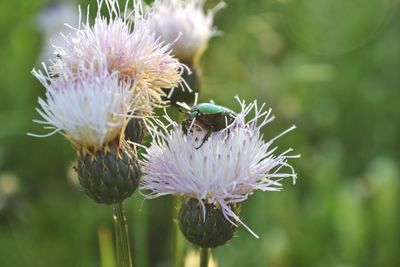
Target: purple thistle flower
230 165
89 108
184 25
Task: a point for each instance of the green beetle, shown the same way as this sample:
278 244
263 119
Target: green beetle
209 117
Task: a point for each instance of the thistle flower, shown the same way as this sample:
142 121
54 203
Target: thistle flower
215 178
185 25
88 108
123 43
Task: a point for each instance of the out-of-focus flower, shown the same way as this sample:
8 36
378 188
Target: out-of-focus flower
192 259
185 25
9 183
230 165
124 43
9 186
88 107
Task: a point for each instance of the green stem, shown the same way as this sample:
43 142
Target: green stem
124 258
178 241
204 256
140 231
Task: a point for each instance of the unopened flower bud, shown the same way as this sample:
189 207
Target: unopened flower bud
205 226
135 130
109 176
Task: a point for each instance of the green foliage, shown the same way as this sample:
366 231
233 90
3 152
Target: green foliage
330 67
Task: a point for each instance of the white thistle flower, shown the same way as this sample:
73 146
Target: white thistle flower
123 43
185 25
230 165
89 109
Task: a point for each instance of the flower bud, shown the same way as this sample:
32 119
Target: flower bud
109 176
135 130
212 231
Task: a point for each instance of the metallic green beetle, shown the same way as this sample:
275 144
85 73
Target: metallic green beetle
209 117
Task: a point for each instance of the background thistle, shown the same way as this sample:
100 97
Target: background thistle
188 29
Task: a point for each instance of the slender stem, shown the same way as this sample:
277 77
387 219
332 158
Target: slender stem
178 241
124 258
204 256
107 257
140 231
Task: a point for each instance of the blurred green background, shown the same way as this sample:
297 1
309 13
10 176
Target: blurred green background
331 67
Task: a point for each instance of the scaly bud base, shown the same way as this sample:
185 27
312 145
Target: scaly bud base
109 176
212 232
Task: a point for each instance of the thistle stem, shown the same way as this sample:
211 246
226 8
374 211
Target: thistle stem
204 256
124 258
178 241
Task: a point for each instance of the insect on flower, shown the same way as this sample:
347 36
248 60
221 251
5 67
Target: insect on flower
216 178
209 117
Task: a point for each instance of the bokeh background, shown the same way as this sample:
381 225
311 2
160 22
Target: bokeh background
330 67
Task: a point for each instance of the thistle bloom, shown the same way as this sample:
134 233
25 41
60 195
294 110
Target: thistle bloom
230 165
185 25
123 45
88 108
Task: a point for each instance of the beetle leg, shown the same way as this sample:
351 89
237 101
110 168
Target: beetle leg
184 129
208 134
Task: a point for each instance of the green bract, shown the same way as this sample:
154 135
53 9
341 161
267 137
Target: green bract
109 176
205 226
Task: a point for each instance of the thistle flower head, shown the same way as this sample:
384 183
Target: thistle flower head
230 165
123 43
88 108
109 176
185 25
